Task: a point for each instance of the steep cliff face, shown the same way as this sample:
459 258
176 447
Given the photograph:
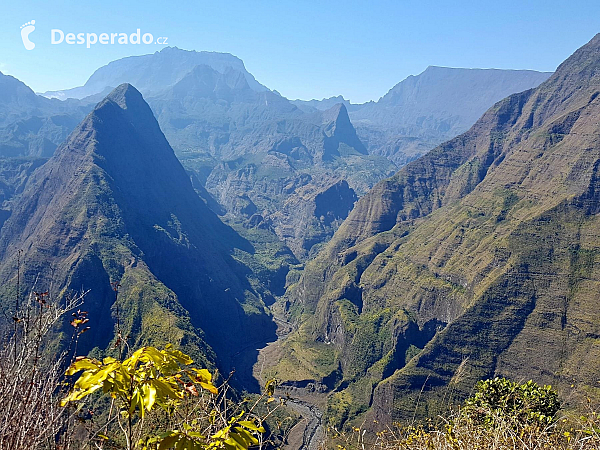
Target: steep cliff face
115 205
480 258
312 214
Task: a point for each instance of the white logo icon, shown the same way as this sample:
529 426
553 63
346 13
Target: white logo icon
26 30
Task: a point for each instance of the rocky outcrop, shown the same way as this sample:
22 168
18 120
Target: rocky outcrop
312 214
340 136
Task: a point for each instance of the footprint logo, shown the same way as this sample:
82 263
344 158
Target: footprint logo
26 30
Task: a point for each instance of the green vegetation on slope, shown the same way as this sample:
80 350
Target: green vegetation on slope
480 258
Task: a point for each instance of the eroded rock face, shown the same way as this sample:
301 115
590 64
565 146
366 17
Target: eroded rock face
311 214
478 259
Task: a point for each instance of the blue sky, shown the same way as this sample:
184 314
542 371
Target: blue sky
304 49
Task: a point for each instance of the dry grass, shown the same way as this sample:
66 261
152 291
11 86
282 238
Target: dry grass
30 416
457 432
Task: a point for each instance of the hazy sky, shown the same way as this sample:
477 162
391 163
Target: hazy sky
304 49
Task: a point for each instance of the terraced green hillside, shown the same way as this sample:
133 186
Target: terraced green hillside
480 258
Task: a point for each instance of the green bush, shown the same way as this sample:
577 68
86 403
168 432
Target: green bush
522 404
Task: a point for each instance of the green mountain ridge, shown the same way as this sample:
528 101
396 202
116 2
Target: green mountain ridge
115 205
478 259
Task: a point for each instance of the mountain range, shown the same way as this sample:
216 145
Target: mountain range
425 110
463 261
248 144
479 259
114 205
155 72
414 116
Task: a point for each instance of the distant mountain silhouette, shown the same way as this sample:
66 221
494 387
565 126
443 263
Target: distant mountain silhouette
324 104
424 110
155 72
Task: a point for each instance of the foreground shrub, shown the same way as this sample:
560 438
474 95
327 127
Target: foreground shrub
457 432
151 378
525 404
153 399
501 415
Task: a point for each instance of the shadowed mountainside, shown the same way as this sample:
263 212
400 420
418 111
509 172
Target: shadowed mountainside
115 205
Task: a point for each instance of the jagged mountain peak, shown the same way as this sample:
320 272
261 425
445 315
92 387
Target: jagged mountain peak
131 103
125 95
115 204
337 113
339 132
122 114
338 121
